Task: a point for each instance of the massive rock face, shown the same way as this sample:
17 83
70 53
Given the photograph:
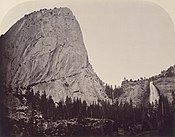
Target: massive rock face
45 51
139 90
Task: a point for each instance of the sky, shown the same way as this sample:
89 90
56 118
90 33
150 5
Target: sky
124 38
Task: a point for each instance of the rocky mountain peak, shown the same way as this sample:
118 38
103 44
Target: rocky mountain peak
45 51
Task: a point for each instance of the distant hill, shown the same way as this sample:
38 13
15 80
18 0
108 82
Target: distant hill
138 90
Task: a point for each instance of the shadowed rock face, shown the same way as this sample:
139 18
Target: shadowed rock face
45 51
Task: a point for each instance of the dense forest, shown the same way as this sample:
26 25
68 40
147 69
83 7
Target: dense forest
159 117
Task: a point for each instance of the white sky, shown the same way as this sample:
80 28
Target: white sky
123 38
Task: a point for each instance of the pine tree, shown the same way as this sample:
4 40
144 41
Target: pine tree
51 107
43 104
59 115
84 109
37 99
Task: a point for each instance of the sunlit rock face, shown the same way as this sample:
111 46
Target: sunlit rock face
137 91
166 85
45 51
145 91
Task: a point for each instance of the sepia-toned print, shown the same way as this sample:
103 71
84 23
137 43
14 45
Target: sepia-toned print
87 69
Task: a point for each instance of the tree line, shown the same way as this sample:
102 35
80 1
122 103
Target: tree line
159 116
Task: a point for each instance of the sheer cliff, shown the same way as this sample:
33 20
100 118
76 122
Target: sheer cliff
45 51
139 90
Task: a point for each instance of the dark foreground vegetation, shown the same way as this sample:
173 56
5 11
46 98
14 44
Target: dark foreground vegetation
30 114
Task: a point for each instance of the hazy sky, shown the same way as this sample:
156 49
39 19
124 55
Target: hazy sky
125 38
